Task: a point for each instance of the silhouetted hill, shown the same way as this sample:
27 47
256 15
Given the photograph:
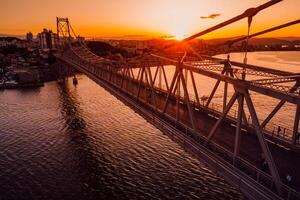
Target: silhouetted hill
100 46
258 41
290 38
12 35
9 39
268 41
104 49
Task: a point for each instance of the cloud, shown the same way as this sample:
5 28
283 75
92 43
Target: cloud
211 16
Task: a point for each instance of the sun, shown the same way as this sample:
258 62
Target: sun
179 37
179 31
179 34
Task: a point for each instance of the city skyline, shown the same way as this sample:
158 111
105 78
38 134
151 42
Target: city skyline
150 18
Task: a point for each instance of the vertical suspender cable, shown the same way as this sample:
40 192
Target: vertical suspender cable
246 46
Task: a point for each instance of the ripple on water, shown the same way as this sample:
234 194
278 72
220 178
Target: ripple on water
116 155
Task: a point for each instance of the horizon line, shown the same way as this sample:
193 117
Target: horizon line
141 37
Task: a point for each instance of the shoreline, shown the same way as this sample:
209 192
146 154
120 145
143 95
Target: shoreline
21 86
46 74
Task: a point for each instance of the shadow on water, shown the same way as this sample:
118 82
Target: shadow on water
66 142
92 163
30 90
71 110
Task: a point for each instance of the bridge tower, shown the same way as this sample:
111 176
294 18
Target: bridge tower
63 30
63 26
64 33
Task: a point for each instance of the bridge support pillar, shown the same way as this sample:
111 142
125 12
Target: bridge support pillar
271 115
213 93
224 114
195 88
170 90
262 141
225 94
165 77
296 125
177 88
238 127
187 99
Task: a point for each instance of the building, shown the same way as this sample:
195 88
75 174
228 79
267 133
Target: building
142 44
12 41
284 46
48 40
114 43
4 43
80 39
29 37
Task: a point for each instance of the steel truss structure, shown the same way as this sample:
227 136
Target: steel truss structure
144 79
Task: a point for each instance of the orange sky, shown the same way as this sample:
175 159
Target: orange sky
96 18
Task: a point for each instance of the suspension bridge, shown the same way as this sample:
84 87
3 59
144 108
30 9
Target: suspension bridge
230 138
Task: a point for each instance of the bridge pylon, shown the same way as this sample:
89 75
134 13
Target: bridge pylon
63 29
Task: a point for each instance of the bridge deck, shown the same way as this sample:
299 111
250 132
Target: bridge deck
212 130
250 151
285 159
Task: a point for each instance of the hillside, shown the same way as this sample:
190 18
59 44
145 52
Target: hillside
259 41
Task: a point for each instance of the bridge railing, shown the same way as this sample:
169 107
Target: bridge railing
271 129
256 174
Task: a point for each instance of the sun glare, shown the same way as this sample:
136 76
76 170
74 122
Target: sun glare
179 37
180 31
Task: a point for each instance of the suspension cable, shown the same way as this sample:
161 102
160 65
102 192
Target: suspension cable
73 30
246 47
248 13
295 22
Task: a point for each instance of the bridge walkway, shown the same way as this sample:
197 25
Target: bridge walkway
285 159
250 152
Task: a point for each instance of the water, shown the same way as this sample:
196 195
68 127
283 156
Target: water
286 61
115 154
282 60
